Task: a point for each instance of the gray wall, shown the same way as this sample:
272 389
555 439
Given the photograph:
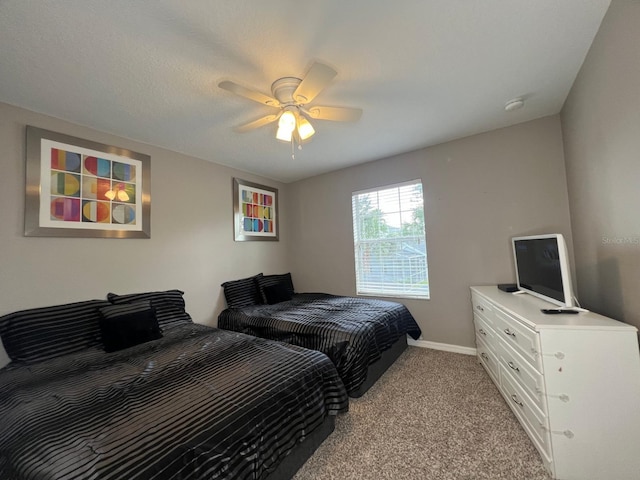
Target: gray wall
191 246
479 192
601 129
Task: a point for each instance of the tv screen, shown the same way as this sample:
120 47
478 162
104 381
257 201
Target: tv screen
542 268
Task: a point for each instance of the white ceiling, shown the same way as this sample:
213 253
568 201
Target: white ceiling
423 71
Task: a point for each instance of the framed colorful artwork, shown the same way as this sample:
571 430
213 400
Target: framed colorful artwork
255 211
79 188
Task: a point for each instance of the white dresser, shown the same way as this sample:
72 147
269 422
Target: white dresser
573 382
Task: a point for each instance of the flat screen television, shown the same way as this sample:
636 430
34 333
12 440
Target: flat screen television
542 268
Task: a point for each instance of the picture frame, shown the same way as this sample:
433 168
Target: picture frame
255 212
80 188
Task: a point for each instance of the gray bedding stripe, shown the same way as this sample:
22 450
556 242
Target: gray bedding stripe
115 311
199 403
352 332
169 305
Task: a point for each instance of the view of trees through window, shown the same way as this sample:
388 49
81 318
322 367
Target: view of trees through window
389 241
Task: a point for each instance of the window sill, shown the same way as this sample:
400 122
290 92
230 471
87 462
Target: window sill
390 295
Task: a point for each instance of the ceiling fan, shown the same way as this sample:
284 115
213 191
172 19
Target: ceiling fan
292 95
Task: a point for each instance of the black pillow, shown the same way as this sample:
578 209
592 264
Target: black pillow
169 306
243 292
39 334
268 280
280 292
126 325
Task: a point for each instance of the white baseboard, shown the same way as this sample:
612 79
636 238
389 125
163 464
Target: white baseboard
442 346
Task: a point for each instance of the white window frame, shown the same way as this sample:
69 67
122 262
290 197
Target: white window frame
399 262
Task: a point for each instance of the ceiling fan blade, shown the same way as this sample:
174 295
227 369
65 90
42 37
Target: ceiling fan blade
248 93
318 77
256 123
337 114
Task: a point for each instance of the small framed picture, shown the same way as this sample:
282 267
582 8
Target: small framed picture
255 211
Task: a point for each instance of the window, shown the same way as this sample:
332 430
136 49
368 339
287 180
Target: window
389 241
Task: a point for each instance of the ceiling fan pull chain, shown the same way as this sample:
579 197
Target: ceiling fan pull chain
293 154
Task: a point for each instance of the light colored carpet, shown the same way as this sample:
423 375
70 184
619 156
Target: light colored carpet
433 415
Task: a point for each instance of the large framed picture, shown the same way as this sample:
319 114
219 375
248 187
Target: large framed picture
255 211
79 188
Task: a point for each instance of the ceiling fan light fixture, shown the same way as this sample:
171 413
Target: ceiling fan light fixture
287 120
284 134
290 95
305 129
286 126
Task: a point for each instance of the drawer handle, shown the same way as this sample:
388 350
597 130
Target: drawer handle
485 356
482 332
513 367
510 333
479 307
515 400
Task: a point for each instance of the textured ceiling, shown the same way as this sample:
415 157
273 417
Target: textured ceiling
423 71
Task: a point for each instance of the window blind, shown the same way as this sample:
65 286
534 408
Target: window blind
390 242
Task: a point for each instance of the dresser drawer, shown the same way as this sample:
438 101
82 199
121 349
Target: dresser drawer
485 332
531 418
524 374
523 340
488 360
482 307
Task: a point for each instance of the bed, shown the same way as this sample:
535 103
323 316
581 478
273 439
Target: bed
196 403
362 337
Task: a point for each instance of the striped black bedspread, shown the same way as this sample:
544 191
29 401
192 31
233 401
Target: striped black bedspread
353 332
200 403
